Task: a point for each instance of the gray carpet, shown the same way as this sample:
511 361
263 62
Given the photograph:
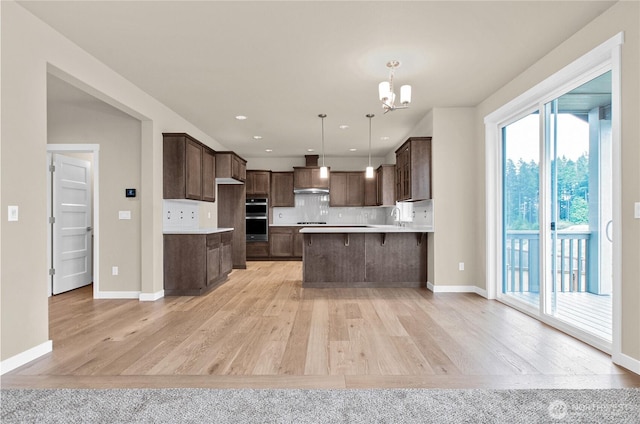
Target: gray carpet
319 406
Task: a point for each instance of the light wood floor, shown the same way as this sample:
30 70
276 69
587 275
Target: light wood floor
261 329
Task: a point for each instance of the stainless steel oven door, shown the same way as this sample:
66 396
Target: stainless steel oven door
257 228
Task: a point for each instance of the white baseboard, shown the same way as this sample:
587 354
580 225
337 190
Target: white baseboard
117 295
151 297
627 362
457 289
25 357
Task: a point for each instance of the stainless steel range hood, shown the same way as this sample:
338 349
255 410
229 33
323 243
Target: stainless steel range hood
310 191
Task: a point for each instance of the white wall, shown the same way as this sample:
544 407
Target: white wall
89 121
454 194
30 49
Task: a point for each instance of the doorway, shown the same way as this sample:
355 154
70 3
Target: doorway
557 210
72 199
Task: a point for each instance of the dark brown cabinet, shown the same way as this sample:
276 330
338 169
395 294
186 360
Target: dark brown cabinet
281 241
413 169
371 191
365 260
188 168
258 183
309 177
208 175
282 190
385 185
257 250
194 263
347 189
230 165
285 242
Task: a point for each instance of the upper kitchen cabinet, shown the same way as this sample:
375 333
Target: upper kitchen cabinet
230 168
188 168
347 189
386 185
413 169
258 183
282 190
208 175
309 177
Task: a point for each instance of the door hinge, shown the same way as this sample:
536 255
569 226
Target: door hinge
52 168
52 271
52 220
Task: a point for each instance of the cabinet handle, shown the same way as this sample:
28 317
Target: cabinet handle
420 235
384 239
309 239
346 240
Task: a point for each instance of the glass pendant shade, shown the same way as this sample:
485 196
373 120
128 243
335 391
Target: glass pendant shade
405 94
368 172
384 90
324 172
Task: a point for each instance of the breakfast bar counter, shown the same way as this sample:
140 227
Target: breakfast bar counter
365 256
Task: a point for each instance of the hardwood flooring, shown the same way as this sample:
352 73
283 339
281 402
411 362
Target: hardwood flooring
262 329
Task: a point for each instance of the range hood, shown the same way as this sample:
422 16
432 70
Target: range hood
310 191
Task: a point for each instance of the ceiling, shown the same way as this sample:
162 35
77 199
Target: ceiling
282 63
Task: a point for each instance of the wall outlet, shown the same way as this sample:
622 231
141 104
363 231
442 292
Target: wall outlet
461 266
114 270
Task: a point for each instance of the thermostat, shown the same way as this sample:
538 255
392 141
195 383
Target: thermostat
130 192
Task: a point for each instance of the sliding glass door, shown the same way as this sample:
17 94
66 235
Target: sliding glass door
559 156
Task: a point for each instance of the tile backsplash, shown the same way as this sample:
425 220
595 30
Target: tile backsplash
315 208
180 215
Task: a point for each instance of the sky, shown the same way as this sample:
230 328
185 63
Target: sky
523 139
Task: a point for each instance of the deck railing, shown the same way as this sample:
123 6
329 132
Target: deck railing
522 261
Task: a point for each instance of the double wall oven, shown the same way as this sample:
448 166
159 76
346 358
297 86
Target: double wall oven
257 221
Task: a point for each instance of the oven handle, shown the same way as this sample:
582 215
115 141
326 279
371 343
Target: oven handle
256 217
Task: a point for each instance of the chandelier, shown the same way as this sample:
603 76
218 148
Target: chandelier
386 94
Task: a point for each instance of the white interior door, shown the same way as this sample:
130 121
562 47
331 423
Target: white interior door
71 241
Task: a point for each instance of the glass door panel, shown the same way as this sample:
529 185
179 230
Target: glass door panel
578 138
520 205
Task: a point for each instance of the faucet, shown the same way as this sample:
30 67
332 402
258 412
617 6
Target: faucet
399 216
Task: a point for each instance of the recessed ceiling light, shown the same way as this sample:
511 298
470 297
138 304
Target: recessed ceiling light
241 117
343 127
353 150
257 137
268 150
384 138
311 150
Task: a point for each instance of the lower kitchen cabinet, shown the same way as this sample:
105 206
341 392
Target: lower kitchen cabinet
257 250
281 242
195 263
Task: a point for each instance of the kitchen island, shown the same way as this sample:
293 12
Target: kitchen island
365 256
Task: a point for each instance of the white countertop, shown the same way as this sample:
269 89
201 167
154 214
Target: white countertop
367 229
198 231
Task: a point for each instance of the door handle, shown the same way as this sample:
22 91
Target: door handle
89 228
606 230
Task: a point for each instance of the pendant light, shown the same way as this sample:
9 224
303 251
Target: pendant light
369 170
386 92
324 172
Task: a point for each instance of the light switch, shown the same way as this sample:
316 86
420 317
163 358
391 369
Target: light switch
636 211
124 214
13 213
